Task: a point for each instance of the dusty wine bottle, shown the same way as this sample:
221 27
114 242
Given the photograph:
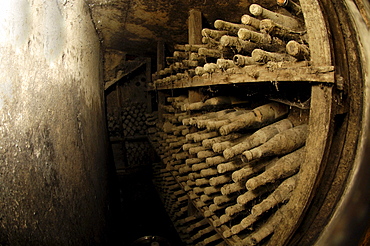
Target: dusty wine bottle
284 167
211 240
219 200
211 115
209 142
291 6
216 123
199 166
200 224
242 61
215 160
205 154
197 57
276 30
258 117
263 56
232 188
216 53
244 224
234 209
264 231
297 50
194 176
191 63
195 150
209 172
215 34
284 20
253 36
250 21
192 161
220 147
232 28
239 44
211 190
282 193
190 136
203 233
202 182
181 54
251 169
230 166
258 138
198 190
219 180
282 143
225 64
207 199
210 67
194 47
187 146
212 43
264 40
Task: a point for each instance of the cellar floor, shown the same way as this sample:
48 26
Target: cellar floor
141 210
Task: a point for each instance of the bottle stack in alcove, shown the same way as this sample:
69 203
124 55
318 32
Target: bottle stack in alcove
227 168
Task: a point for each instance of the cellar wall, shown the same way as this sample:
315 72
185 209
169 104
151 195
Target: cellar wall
53 175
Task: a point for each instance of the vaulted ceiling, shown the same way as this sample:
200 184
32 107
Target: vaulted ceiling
135 26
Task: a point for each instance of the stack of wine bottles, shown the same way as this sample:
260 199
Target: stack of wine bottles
128 121
133 119
237 166
262 36
193 229
137 153
113 124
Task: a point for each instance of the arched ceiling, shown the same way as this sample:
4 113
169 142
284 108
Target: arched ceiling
135 26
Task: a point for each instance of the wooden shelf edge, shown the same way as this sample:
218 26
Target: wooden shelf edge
276 72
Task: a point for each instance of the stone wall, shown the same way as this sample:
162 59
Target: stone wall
53 175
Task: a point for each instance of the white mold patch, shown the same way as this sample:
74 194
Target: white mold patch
53 30
15 21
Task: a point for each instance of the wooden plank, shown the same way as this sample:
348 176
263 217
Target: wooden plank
256 73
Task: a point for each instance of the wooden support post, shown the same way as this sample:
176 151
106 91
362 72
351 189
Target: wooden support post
195 27
161 96
195 37
320 126
160 56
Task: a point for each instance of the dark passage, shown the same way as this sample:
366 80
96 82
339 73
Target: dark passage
142 212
